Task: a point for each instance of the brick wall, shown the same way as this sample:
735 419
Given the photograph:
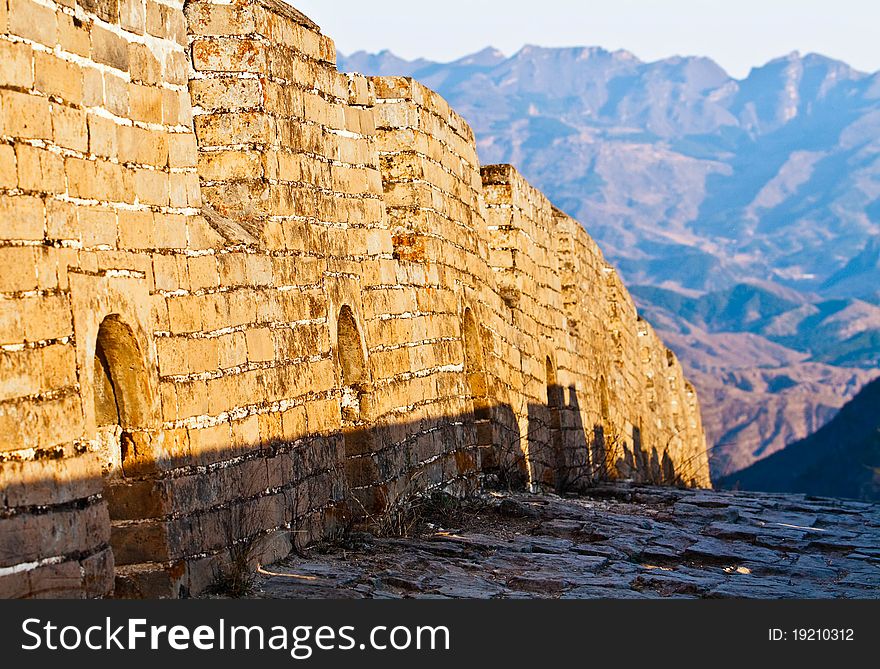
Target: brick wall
245 298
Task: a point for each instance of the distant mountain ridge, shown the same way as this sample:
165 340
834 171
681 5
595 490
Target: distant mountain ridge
745 214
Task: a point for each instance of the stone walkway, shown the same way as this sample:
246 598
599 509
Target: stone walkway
620 541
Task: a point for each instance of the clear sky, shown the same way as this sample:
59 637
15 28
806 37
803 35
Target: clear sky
738 34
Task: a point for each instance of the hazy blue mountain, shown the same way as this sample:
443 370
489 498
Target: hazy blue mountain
840 460
382 63
745 213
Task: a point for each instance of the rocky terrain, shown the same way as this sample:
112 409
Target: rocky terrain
620 541
744 214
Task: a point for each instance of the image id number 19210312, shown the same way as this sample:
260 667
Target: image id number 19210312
812 634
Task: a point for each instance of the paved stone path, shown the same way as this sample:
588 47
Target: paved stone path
619 541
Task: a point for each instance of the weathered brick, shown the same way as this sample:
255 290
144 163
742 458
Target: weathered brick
46 535
192 398
260 345
81 178
56 581
109 49
172 356
166 272
107 10
145 67
223 129
203 272
229 165
135 229
8 173
23 217
116 95
97 574
69 128
57 77
102 136
19 374
118 181
202 355
61 220
176 68
12 321
33 21
39 169
142 146
233 350
73 34
142 542
134 500
132 15
151 187
170 231
228 55
93 87
165 21
145 103
58 366
213 94
18 64
97 226
182 150
212 19
48 270
183 314
25 116
19 272
193 189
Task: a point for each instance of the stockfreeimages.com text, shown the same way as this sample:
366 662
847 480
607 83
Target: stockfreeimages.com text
300 641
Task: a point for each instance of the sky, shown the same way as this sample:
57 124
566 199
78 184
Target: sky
738 34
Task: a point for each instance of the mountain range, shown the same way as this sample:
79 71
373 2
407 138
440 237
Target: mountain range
743 213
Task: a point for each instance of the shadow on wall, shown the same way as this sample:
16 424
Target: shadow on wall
632 461
173 527
567 458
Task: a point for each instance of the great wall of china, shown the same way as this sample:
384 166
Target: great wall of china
245 297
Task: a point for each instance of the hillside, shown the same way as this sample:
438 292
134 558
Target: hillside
840 460
746 213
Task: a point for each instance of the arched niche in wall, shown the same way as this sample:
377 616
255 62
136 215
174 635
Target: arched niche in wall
361 470
352 365
122 394
122 401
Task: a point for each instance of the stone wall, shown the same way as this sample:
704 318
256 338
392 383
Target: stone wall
245 298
